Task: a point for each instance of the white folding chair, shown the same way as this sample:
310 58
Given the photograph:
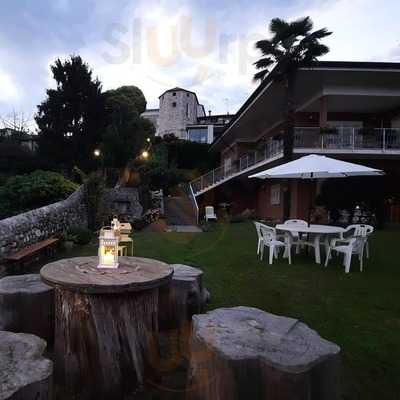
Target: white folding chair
269 240
210 214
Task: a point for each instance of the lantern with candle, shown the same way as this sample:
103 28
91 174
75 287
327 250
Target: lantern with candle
108 248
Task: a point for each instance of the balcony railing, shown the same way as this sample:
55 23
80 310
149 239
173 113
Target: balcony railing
248 161
313 139
348 139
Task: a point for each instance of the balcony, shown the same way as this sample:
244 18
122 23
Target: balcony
347 140
270 152
343 140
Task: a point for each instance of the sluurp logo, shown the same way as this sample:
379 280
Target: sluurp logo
172 44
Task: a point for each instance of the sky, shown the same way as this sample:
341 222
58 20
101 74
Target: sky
201 45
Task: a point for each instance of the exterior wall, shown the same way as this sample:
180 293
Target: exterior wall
152 116
34 226
174 119
264 207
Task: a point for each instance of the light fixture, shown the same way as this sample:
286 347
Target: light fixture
97 152
145 154
148 140
108 248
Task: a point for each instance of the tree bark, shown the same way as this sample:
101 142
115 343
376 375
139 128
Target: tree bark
25 374
105 344
244 353
27 305
179 301
288 141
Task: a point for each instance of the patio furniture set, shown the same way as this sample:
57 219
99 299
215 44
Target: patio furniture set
299 234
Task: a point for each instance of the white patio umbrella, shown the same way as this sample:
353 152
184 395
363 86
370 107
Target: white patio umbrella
314 166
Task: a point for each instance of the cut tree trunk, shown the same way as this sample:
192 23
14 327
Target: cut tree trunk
24 373
106 325
179 301
27 305
245 353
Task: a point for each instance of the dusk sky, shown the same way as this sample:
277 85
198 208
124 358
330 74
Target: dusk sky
204 46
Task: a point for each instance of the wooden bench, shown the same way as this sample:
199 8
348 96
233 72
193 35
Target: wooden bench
32 250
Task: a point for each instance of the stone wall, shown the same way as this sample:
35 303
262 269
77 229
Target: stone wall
33 226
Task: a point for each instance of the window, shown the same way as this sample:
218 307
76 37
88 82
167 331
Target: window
275 195
187 94
174 94
174 104
199 135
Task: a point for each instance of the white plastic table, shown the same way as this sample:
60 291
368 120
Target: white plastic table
317 231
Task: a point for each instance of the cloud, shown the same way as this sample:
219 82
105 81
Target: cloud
8 90
202 45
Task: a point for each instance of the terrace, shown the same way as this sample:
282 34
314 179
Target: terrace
342 140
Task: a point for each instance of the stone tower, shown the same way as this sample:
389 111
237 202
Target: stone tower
178 108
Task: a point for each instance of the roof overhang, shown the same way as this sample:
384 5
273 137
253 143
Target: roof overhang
349 87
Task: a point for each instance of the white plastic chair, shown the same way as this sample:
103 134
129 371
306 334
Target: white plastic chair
297 238
269 240
362 230
259 236
210 214
355 243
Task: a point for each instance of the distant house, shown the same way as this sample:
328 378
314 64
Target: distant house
182 115
24 139
347 110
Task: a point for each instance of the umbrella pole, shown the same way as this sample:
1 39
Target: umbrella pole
311 200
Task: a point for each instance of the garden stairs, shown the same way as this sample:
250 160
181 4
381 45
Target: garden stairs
180 211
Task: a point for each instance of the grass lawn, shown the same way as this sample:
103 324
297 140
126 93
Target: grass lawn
359 311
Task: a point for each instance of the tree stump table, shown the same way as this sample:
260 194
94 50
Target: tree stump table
243 353
27 305
106 324
24 373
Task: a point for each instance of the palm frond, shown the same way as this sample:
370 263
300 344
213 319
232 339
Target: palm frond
264 63
278 26
301 27
268 49
260 76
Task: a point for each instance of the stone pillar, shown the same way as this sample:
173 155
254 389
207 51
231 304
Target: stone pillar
323 112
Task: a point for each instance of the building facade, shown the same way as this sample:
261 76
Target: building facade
182 115
346 110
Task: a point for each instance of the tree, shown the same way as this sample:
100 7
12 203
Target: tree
126 131
71 120
292 45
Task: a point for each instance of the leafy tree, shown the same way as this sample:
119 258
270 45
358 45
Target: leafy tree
292 45
25 192
126 132
70 120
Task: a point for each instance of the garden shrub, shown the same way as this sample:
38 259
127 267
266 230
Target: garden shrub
79 236
22 193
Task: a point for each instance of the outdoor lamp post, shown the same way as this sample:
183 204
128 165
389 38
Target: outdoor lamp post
108 249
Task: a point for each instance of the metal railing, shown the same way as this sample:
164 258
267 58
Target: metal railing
270 151
371 140
188 190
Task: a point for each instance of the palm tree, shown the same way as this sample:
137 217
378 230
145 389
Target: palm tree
292 45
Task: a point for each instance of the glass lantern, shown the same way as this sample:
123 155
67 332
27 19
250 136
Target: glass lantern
108 249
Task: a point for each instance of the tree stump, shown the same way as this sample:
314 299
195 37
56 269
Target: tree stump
27 305
179 301
245 353
106 324
24 373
